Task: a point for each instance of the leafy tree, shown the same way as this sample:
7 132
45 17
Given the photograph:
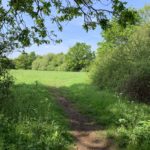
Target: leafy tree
16 31
145 14
45 61
51 62
32 56
57 62
79 57
36 63
112 58
122 63
24 61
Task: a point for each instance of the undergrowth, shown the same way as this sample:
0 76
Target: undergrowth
31 120
127 122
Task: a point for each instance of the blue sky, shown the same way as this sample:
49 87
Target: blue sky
73 32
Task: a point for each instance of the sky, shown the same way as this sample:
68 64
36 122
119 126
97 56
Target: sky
73 32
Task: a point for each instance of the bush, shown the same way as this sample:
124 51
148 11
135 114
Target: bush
137 138
122 63
6 79
140 137
137 86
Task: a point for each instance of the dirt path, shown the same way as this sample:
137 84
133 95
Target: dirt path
88 135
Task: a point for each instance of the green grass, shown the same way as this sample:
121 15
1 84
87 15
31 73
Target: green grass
125 121
30 118
49 78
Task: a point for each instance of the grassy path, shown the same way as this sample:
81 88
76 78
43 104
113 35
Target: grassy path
88 135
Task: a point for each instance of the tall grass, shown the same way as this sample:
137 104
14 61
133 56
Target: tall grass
30 118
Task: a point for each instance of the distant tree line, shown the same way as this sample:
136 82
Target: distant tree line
78 58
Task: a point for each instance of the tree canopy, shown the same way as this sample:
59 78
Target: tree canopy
79 57
24 61
123 61
15 15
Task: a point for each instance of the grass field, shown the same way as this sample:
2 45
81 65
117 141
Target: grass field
49 78
34 107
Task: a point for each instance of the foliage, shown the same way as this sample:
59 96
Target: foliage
140 138
51 62
137 85
36 63
5 79
123 61
112 61
16 30
144 14
24 61
79 57
32 120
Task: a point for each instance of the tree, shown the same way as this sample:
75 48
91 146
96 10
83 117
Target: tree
145 14
51 62
37 63
24 61
123 61
79 57
16 32
113 58
57 62
32 56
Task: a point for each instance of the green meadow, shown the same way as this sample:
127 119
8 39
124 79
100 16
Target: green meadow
35 109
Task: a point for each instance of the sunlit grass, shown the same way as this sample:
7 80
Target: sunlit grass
50 78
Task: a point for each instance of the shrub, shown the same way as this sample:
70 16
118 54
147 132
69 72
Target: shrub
140 137
137 138
122 62
6 79
137 86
